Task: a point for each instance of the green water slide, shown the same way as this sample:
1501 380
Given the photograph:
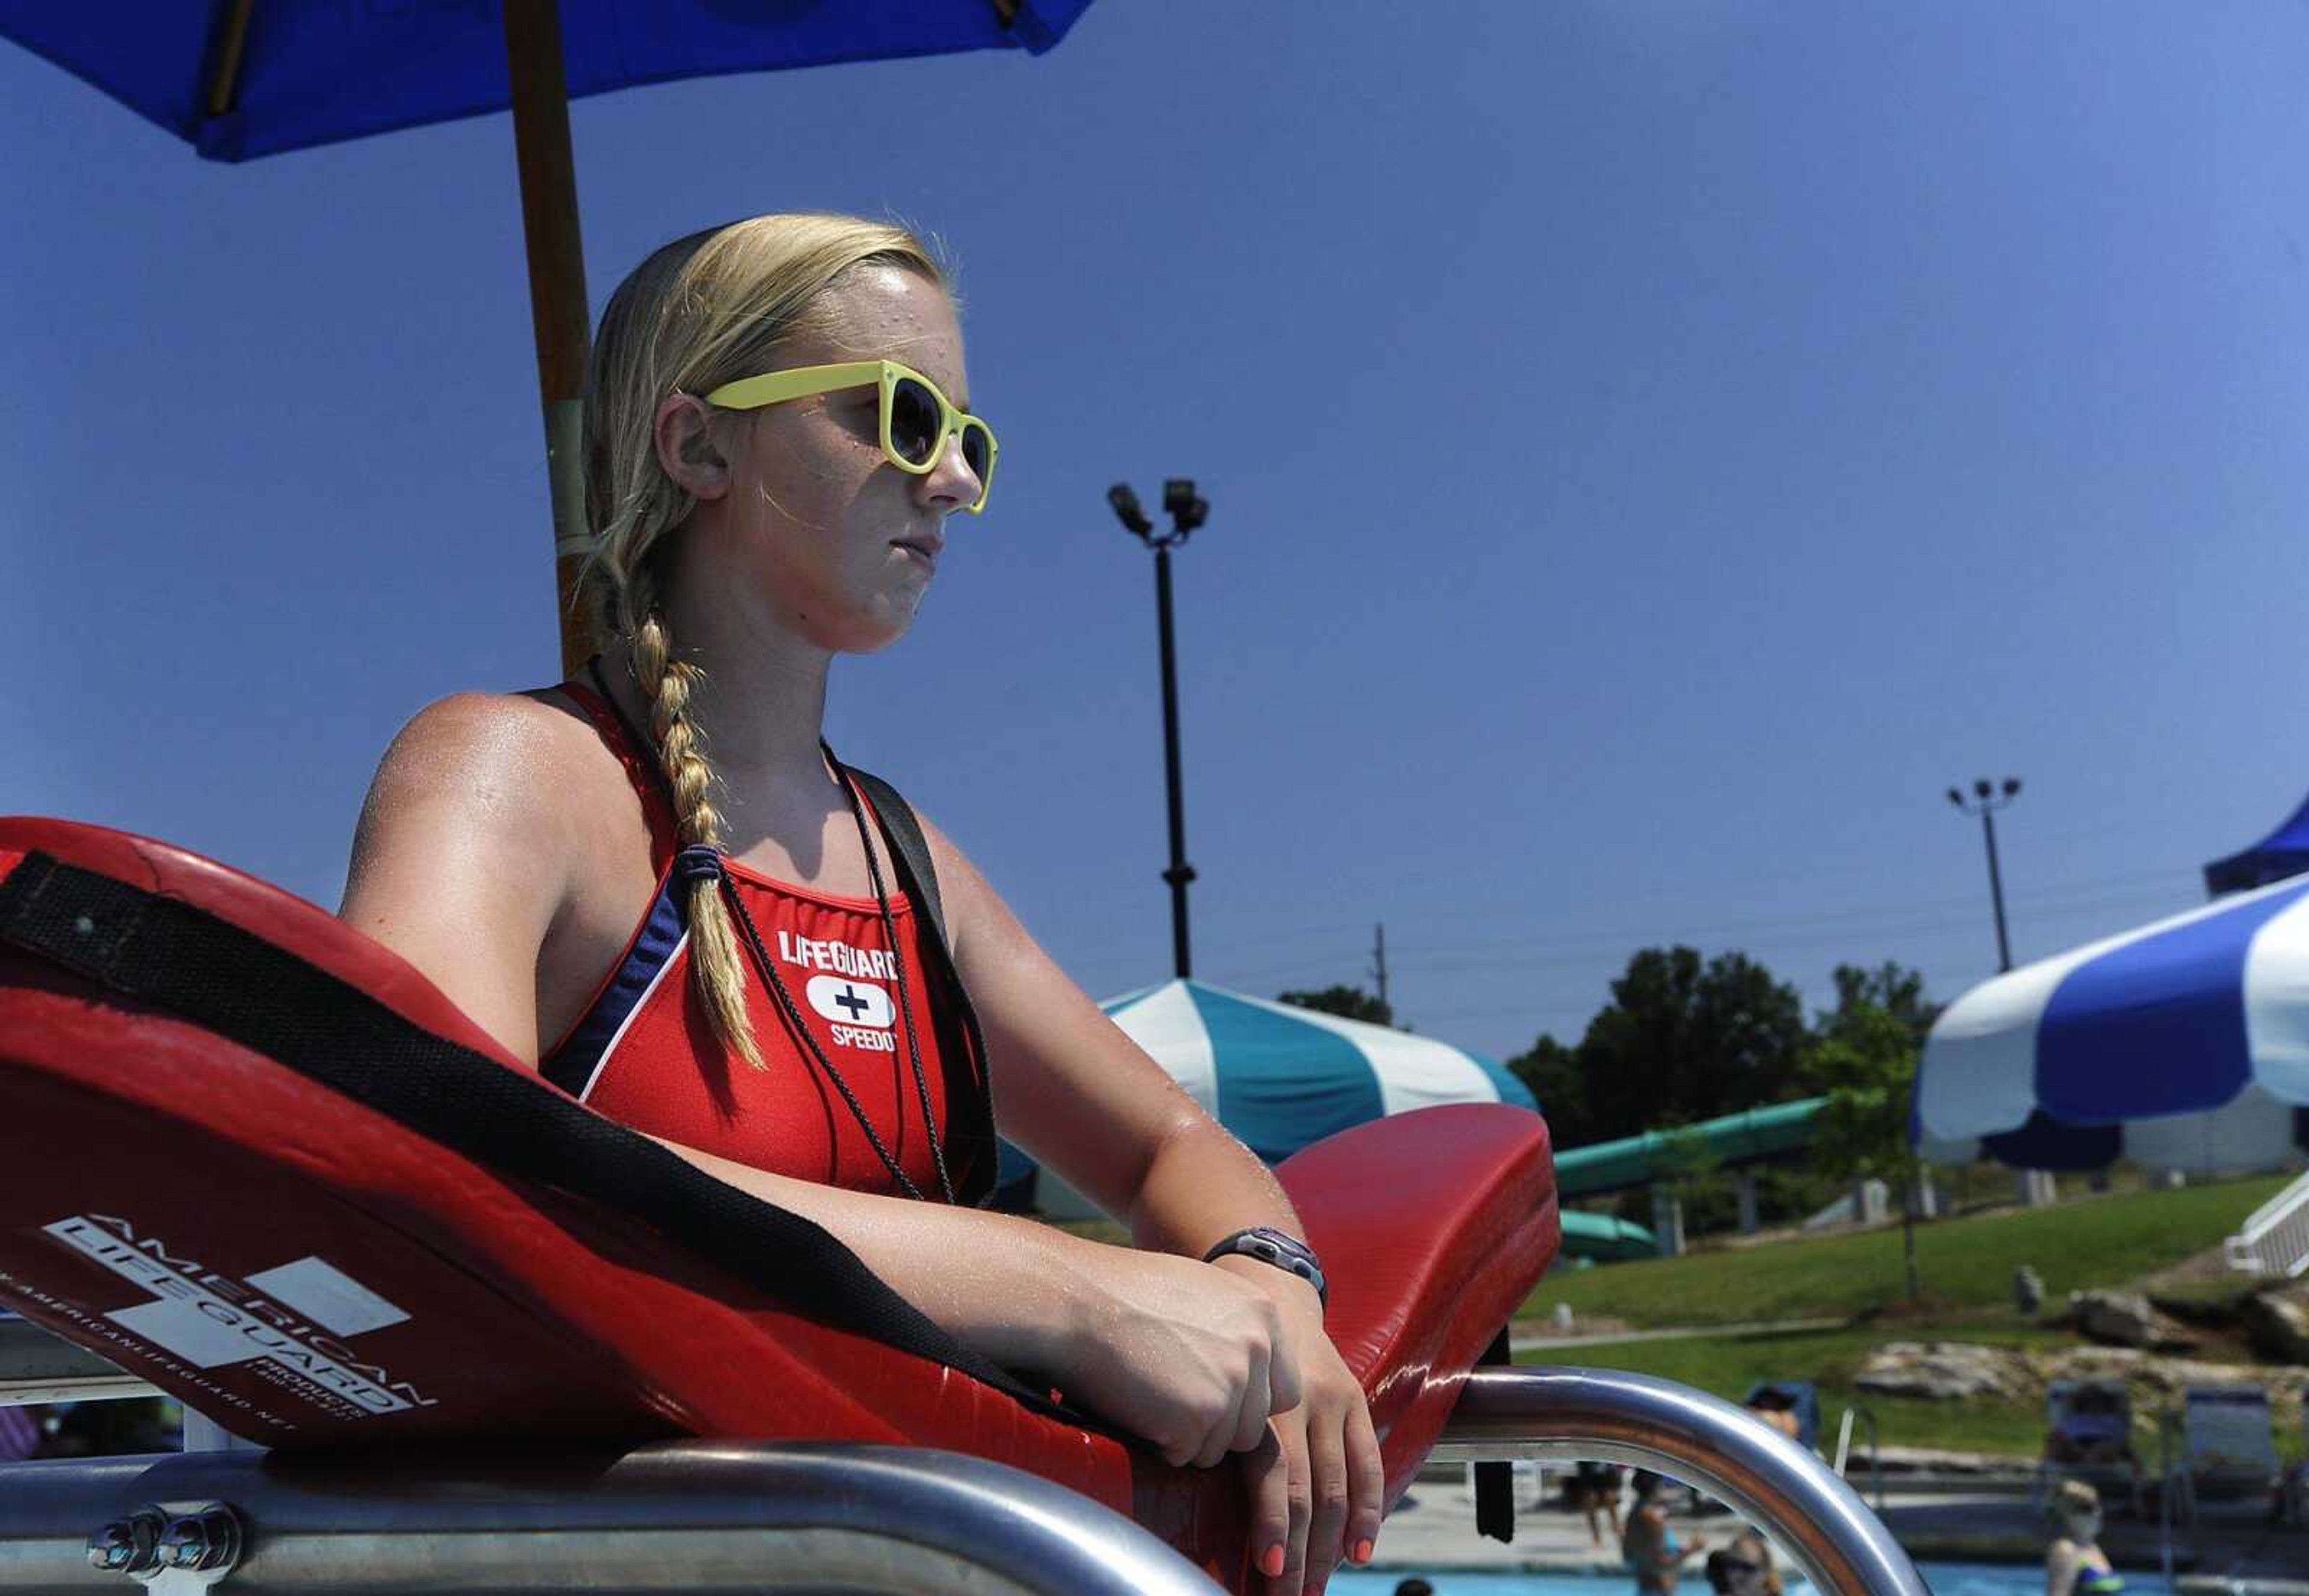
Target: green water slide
1605 1239
1754 1136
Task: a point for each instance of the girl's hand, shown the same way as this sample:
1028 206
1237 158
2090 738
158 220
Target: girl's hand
1316 1488
1181 1352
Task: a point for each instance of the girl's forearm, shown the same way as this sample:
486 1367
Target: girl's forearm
1005 1285
1202 1185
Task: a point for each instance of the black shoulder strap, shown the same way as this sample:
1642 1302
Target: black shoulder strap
164 952
905 830
918 878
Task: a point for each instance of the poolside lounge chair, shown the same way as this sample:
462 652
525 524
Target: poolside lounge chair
2289 1500
2227 1447
2289 1504
2089 1437
1800 1397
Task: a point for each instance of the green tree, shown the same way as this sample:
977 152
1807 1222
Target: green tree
1348 1002
1684 1040
1865 1062
1894 988
1694 1172
1549 1072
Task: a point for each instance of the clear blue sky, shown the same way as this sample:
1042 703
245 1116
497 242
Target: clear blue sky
1654 450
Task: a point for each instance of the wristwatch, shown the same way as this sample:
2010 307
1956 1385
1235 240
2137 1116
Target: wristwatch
1285 1251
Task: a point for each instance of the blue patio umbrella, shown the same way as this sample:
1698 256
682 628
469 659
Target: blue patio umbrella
2283 852
2183 1044
238 79
1281 1077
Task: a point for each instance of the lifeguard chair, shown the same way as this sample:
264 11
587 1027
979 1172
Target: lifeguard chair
473 1337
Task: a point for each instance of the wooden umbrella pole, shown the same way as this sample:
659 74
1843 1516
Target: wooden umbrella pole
556 288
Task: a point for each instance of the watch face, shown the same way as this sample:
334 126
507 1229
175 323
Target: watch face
1285 1251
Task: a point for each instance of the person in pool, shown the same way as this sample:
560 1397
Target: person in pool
1650 1545
1744 1568
2074 1564
1595 1489
657 884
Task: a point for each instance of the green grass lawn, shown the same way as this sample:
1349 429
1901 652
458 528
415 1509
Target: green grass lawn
1966 1264
1728 1366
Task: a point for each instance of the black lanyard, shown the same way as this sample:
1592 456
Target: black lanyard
698 860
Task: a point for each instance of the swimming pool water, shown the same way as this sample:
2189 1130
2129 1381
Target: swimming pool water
1946 1579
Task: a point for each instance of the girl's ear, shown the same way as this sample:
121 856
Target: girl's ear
687 452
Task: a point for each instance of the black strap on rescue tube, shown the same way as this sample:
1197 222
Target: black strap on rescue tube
1494 1481
167 953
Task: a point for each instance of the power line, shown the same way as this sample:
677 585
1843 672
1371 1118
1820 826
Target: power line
1947 931
1921 917
1500 956
1851 916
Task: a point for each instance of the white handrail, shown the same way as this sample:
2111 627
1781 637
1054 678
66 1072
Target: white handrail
2274 1239
2285 1198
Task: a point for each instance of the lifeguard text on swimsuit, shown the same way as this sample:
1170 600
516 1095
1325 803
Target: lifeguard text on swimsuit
859 1011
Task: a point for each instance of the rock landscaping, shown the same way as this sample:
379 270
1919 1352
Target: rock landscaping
2126 1319
2277 1322
1953 1371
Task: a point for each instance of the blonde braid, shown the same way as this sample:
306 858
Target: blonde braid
698 312
669 683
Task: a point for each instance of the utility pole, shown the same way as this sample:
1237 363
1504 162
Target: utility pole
1988 797
1188 510
1379 959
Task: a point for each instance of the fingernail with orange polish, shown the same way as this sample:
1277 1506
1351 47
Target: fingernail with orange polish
1271 1564
1363 1549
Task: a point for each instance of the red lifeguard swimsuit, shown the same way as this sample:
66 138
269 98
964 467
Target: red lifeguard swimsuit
645 1052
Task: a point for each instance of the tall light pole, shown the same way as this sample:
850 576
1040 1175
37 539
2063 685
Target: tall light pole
1188 510
1987 798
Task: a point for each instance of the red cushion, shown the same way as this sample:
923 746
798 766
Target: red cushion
402 1290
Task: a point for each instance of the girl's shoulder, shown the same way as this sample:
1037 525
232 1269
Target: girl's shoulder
463 725
523 772
501 736
500 851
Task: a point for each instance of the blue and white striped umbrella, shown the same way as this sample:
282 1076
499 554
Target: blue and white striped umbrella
2192 1033
1280 1077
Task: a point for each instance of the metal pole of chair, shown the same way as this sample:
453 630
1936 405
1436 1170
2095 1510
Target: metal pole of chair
684 1518
701 1518
1561 1415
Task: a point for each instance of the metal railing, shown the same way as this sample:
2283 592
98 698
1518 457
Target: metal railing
700 1518
1564 1415
706 1517
37 1366
2274 1239
1875 1451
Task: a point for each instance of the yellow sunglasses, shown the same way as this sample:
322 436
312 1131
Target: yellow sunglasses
917 419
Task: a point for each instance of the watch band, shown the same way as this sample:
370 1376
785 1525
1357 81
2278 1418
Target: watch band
1283 1251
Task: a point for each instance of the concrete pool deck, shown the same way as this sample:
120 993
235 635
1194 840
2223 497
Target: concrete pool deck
2234 1553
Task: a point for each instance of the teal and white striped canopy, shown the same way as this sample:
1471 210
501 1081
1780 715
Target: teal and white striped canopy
1279 1077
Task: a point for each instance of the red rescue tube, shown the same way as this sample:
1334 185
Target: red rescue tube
307 1269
